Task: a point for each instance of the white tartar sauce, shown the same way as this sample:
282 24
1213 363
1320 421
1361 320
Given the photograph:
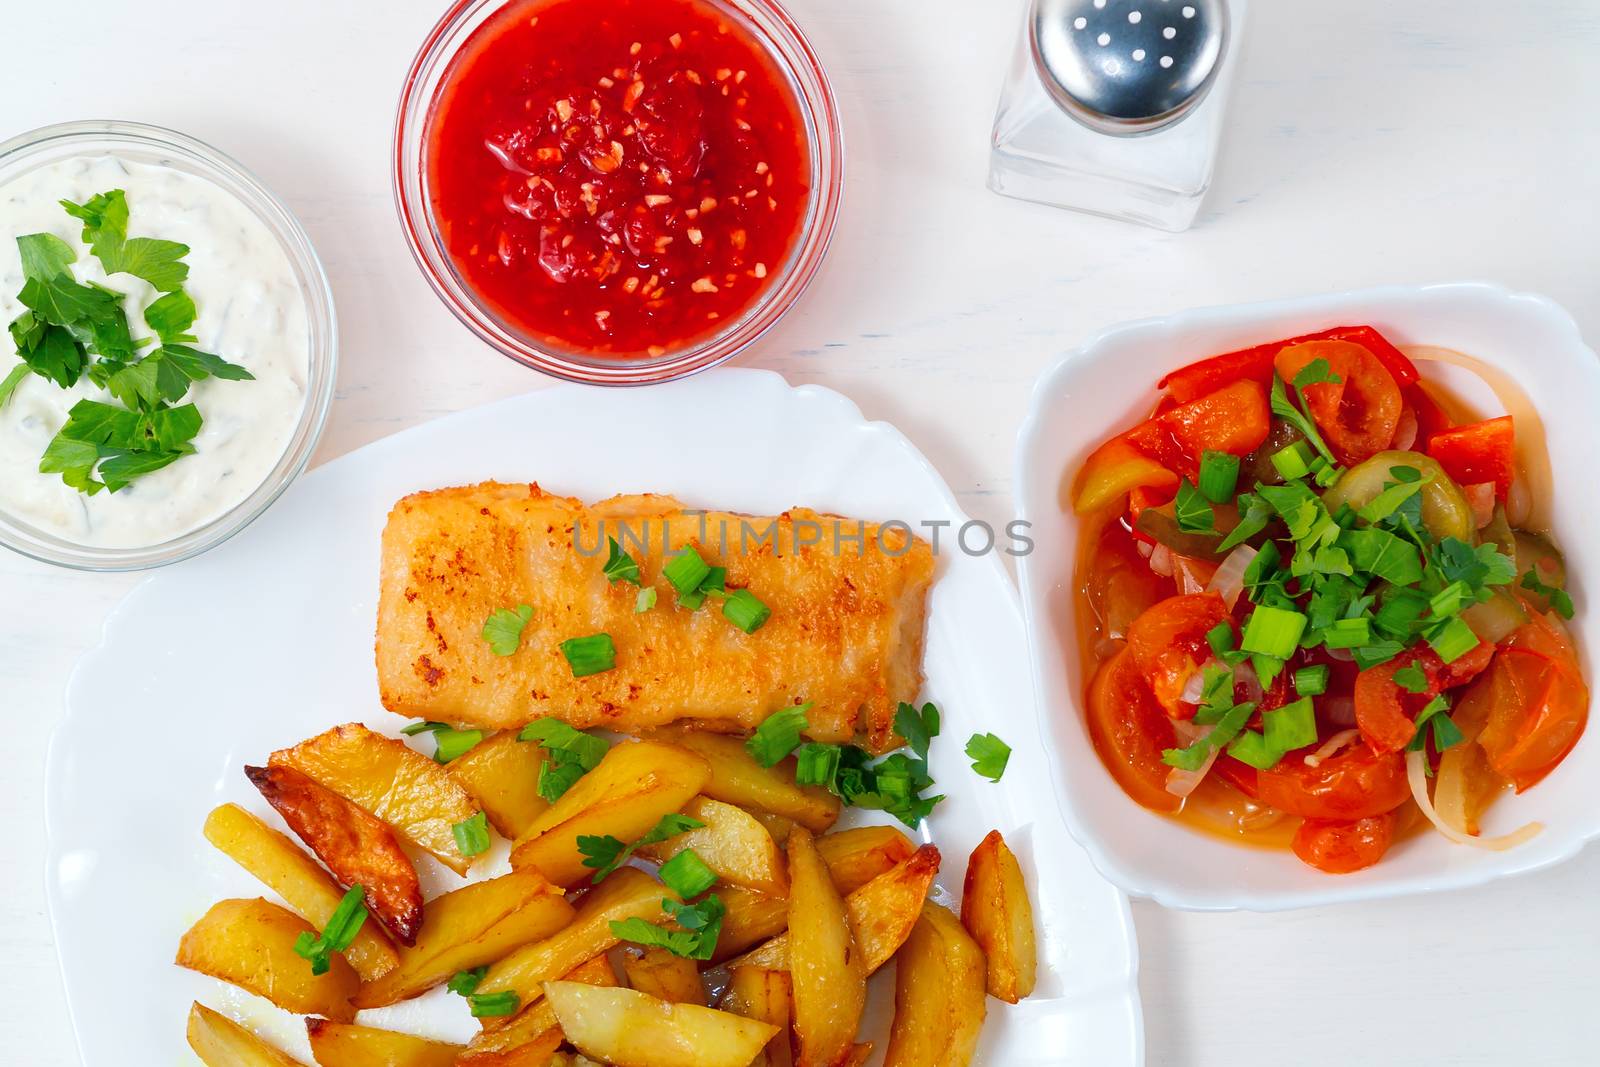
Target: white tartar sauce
251 312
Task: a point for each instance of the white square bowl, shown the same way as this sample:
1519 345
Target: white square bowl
1107 384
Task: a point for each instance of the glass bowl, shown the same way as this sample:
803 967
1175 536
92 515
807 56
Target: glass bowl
771 27
157 146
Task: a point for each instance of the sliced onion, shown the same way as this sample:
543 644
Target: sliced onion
1519 504
1144 547
1343 655
1417 777
1180 783
1332 746
1480 495
1184 571
1228 582
1341 710
1405 431
1194 688
1245 675
1161 560
1257 817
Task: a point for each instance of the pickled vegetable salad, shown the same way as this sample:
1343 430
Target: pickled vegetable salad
1307 590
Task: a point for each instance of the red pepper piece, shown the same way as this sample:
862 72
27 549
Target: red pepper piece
1234 419
1255 364
1478 452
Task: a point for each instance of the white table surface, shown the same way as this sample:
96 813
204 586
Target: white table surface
1369 141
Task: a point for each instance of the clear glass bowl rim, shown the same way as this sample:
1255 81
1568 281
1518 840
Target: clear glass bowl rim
105 135
788 46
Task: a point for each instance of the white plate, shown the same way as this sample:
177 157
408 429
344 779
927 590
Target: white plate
268 639
1105 386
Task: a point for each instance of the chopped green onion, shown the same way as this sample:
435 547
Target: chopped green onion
589 655
1399 612
711 583
472 835
687 874
778 735
744 610
1192 511
1453 640
1220 637
1291 726
1273 631
490 1005
645 600
1267 668
1252 749
621 567
1311 681
1193 756
424 727
339 933
1450 599
686 571
464 982
1219 476
1293 461
1348 633
817 763
453 743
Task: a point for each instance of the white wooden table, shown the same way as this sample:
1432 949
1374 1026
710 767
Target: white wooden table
1369 141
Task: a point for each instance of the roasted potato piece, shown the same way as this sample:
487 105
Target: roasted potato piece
391 780
826 968
625 796
357 847
518 1043
664 976
250 943
857 856
859 1055
348 1045
308 890
625 894
736 778
854 857
764 995
938 995
777 825
996 912
221 1042
881 915
732 843
630 1029
502 774
470 927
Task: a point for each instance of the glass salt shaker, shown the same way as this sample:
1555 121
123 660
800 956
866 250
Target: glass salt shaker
1115 107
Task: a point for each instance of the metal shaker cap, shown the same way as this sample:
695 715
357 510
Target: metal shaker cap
1128 67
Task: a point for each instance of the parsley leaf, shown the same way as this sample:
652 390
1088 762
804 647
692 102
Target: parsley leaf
1192 510
22 370
44 256
918 727
701 925
621 567
605 853
989 755
1316 372
172 316
572 753
503 629
1284 409
1554 594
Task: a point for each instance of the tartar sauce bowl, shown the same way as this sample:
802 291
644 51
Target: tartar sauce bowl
775 31
1105 384
305 395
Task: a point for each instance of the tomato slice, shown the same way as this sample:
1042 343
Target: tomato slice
1255 364
1354 783
1129 731
1537 712
1234 419
1168 643
1119 584
1478 452
1386 713
1358 414
1343 847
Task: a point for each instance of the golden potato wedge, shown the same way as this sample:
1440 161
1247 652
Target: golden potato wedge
348 1045
777 825
732 843
469 927
997 913
854 858
857 856
625 796
736 778
630 1029
221 1042
625 894
858 1055
250 943
284 868
391 780
881 915
829 980
517 1043
764 995
665 976
502 774
938 995
356 846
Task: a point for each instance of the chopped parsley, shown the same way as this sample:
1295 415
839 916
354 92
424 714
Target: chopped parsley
572 754
1192 511
894 784
989 755
604 853
503 629
1554 595
621 567
699 925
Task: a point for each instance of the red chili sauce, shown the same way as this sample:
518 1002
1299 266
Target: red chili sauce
617 176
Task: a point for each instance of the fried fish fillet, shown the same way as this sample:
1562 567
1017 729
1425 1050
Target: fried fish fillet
848 601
